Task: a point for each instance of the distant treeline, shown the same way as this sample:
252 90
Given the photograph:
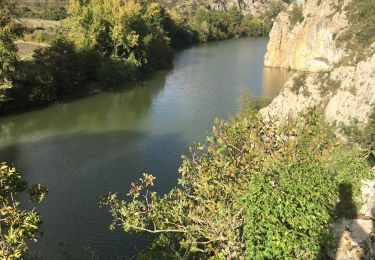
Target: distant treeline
106 43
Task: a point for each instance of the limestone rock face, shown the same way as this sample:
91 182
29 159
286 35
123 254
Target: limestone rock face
254 7
346 93
352 99
247 6
309 45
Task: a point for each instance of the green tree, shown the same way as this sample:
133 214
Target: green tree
133 31
10 30
17 226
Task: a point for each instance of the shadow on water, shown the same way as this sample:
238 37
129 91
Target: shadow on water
107 111
81 168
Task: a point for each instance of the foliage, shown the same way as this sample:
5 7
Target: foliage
56 13
130 30
42 36
327 85
288 210
17 226
360 33
255 185
124 39
33 84
364 136
218 25
299 83
62 70
296 14
10 30
275 8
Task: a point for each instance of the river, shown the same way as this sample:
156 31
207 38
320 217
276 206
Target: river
83 149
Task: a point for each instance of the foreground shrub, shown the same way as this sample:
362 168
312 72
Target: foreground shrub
17 226
263 189
363 135
288 210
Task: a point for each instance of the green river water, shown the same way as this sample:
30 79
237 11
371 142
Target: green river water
83 149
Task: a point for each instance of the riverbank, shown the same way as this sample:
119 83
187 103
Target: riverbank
74 57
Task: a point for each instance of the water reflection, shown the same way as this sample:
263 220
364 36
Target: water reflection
272 77
99 113
78 169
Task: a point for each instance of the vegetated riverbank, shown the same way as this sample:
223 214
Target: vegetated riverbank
257 189
105 46
279 184
103 142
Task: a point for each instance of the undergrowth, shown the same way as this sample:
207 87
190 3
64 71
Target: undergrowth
260 189
360 33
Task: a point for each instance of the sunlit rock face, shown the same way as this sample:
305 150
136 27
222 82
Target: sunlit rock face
254 7
309 45
352 99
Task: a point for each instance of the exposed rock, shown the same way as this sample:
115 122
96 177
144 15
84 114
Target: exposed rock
354 235
309 45
368 199
347 94
254 7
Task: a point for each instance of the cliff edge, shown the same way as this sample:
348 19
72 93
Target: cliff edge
302 37
333 49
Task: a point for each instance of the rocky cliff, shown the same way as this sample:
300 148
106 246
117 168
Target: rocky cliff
332 47
309 44
346 92
254 7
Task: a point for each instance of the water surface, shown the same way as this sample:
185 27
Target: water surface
85 148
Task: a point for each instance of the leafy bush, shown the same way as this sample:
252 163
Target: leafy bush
296 14
364 136
134 31
360 33
10 30
288 209
54 13
17 226
114 72
218 25
33 83
259 188
275 8
42 36
299 82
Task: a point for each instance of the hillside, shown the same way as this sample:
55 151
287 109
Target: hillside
38 3
338 43
256 7
246 6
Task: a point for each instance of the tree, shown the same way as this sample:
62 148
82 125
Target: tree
133 31
17 226
10 30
